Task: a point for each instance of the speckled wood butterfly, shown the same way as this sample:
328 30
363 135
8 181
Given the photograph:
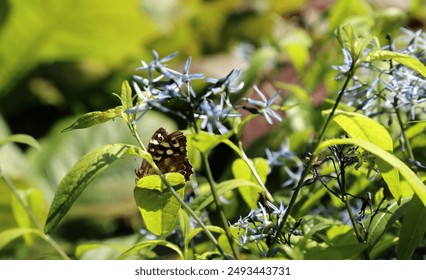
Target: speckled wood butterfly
169 153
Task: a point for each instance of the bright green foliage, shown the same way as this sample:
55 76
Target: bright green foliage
157 205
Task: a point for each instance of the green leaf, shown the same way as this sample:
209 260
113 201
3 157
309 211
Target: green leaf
361 127
34 201
84 248
413 228
126 96
384 220
21 138
350 41
205 141
153 182
80 175
157 205
241 170
405 59
9 235
415 183
203 200
94 118
126 99
134 250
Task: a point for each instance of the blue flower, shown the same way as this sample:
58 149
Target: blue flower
273 158
227 85
264 106
213 115
347 65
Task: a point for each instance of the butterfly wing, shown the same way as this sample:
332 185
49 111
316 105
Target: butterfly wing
169 153
153 146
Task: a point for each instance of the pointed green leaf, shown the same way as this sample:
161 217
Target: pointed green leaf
413 228
126 96
94 118
405 59
80 175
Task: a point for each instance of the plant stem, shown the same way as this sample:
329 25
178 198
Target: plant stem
305 172
406 140
219 205
254 172
33 218
190 212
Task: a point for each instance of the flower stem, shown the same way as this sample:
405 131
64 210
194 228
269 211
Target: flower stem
219 205
305 172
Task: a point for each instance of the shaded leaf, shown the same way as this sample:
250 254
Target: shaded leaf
413 228
134 250
384 220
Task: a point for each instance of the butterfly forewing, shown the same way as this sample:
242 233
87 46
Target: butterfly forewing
169 153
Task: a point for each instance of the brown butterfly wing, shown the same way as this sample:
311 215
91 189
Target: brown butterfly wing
169 153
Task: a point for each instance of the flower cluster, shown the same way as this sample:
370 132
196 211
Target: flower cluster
381 90
260 225
161 88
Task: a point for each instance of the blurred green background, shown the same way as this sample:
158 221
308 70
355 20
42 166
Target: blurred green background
60 59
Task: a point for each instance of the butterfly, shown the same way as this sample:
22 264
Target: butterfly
169 153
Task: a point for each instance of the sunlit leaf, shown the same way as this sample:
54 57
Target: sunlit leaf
94 118
158 207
